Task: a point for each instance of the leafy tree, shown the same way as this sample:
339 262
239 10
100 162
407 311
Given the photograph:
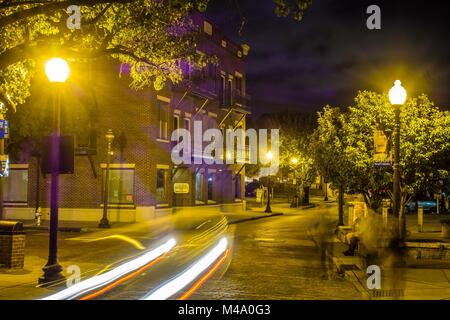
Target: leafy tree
424 145
152 36
329 152
344 146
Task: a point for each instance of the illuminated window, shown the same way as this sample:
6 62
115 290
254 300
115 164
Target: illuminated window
15 186
161 186
176 122
121 185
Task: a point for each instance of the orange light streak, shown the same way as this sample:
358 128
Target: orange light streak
122 280
200 282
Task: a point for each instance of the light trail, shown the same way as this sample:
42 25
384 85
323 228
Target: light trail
122 280
112 276
178 283
200 282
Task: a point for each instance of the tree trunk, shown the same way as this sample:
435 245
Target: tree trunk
305 199
341 205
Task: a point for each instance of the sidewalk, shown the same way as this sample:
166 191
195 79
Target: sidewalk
427 271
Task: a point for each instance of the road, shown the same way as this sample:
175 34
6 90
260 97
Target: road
269 258
274 258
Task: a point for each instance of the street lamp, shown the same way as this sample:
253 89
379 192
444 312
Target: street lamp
397 97
57 71
269 157
104 223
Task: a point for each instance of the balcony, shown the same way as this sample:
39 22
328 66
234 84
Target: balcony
240 100
198 84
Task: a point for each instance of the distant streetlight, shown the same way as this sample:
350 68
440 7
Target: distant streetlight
269 157
57 71
397 97
104 223
294 161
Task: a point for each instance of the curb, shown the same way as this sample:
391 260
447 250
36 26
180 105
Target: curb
254 218
60 229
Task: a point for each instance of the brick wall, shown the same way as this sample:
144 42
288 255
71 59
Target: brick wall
12 251
135 114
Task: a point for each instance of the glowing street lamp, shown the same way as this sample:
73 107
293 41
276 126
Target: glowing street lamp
397 97
294 161
57 71
269 157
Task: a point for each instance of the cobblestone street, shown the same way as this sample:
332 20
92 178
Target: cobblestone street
274 258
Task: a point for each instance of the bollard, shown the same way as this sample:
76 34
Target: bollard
38 216
385 216
420 218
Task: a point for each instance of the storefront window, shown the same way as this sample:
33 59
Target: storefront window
121 186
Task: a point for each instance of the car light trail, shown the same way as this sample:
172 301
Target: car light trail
178 283
109 277
200 282
122 280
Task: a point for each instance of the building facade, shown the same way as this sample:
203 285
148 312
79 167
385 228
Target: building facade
143 180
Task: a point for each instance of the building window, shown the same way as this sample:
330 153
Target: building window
239 89
187 124
163 116
161 186
223 84
15 186
121 185
230 91
176 122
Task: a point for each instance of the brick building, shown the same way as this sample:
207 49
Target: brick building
143 180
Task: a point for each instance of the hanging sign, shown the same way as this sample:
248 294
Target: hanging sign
382 151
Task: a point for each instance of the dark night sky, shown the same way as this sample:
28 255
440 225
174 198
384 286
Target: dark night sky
331 54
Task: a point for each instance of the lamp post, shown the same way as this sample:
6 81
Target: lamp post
294 204
57 71
397 97
269 157
104 223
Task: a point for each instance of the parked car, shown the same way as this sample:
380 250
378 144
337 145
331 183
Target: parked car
429 205
251 187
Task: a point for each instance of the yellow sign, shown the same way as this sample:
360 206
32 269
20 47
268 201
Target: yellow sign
382 151
181 188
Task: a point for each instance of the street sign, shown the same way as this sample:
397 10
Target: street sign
181 188
66 155
4 129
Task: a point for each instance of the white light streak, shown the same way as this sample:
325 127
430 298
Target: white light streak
178 283
110 276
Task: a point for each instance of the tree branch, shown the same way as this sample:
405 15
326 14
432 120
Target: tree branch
51 7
